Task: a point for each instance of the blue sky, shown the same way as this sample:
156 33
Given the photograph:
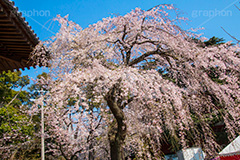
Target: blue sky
210 14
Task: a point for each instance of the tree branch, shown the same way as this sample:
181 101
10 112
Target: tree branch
157 52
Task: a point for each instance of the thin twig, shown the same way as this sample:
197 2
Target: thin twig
237 7
238 41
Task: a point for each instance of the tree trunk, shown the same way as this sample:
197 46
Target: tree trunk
116 150
116 137
91 153
118 129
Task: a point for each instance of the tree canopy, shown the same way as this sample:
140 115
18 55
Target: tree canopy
109 96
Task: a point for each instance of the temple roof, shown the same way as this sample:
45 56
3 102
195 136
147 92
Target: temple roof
17 39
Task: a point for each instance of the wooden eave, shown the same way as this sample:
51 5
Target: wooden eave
17 39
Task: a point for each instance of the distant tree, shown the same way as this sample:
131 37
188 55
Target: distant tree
214 41
16 130
138 105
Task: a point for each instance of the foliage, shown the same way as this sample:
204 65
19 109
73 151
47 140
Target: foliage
16 132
